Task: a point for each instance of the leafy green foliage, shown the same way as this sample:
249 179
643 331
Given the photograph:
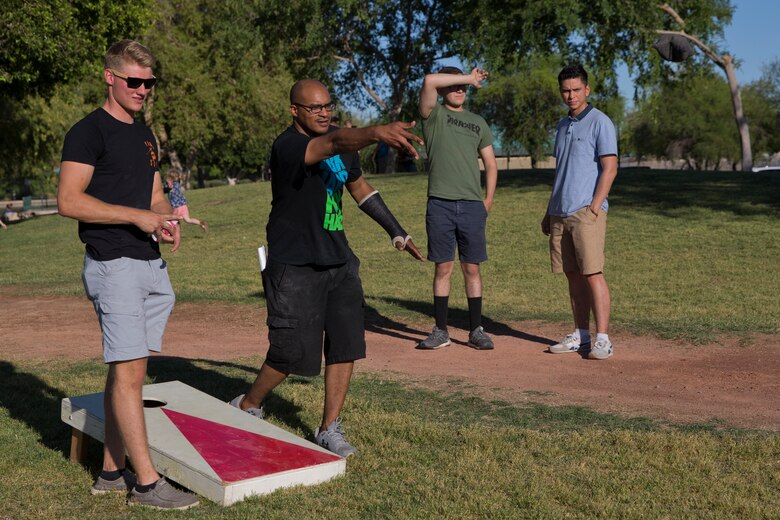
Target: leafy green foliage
392 45
48 42
524 105
33 129
599 34
687 119
762 107
222 97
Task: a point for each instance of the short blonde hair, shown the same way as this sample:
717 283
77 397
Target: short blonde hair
128 51
175 174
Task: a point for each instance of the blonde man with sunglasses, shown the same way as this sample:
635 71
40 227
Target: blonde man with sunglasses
110 182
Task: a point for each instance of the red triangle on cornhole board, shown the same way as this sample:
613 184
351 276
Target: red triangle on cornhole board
236 454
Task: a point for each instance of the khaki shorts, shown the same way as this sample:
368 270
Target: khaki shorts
577 242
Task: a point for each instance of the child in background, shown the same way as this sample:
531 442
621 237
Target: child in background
179 201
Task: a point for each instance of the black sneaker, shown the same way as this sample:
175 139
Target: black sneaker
163 496
479 340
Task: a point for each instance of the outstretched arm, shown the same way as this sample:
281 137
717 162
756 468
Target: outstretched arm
371 203
432 82
353 139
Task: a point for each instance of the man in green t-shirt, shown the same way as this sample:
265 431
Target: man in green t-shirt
456 213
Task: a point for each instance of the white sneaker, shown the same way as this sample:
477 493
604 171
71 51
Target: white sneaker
257 412
601 350
569 344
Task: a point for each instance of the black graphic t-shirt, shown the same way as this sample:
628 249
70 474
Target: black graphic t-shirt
306 222
125 160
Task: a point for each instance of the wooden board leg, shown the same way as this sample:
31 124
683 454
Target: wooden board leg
78 446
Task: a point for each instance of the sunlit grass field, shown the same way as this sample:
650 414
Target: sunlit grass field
423 455
690 256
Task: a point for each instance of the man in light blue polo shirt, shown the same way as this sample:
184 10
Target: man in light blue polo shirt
576 218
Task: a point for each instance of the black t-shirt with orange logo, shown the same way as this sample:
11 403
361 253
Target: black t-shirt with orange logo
125 160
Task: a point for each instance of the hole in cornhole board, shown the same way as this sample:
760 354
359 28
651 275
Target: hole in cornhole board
153 402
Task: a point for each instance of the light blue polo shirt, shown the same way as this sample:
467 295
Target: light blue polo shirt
579 142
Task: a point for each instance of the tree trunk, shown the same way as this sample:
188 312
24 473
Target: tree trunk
739 115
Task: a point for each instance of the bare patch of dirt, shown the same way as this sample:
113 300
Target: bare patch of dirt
730 382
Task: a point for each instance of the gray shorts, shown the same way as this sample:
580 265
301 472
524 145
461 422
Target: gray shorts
448 222
132 299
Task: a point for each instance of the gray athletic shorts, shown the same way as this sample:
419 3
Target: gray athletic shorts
448 222
132 299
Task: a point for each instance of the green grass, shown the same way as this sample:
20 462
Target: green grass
689 254
422 455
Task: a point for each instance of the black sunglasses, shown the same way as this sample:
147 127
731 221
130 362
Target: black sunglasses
148 83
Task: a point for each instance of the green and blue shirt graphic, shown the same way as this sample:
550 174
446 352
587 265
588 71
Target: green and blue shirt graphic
334 174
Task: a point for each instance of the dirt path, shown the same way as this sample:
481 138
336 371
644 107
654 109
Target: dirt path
727 381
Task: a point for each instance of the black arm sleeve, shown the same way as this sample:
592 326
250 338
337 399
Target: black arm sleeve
375 207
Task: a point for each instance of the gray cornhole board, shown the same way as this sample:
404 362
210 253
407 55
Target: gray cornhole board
210 447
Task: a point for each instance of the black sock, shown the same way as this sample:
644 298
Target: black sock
475 312
146 488
111 475
440 308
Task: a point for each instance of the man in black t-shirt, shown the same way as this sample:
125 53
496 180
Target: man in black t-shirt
311 280
110 183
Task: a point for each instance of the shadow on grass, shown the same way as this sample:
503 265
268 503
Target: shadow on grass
380 324
206 375
665 192
32 401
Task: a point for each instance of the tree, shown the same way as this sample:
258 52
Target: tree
726 63
762 108
686 119
602 35
224 82
44 43
387 47
50 58
524 105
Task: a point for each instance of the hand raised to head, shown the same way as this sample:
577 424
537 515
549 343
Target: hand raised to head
478 75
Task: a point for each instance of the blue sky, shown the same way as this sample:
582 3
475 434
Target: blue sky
751 39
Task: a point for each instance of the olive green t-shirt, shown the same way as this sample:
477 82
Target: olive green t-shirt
453 140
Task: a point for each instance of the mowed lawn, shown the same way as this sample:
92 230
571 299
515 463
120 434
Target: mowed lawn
690 255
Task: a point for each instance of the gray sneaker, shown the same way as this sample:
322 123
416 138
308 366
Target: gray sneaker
163 496
479 340
601 350
569 344
257 412
124 484
438 338
333 439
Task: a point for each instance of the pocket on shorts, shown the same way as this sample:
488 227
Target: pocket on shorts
119 307
281 332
